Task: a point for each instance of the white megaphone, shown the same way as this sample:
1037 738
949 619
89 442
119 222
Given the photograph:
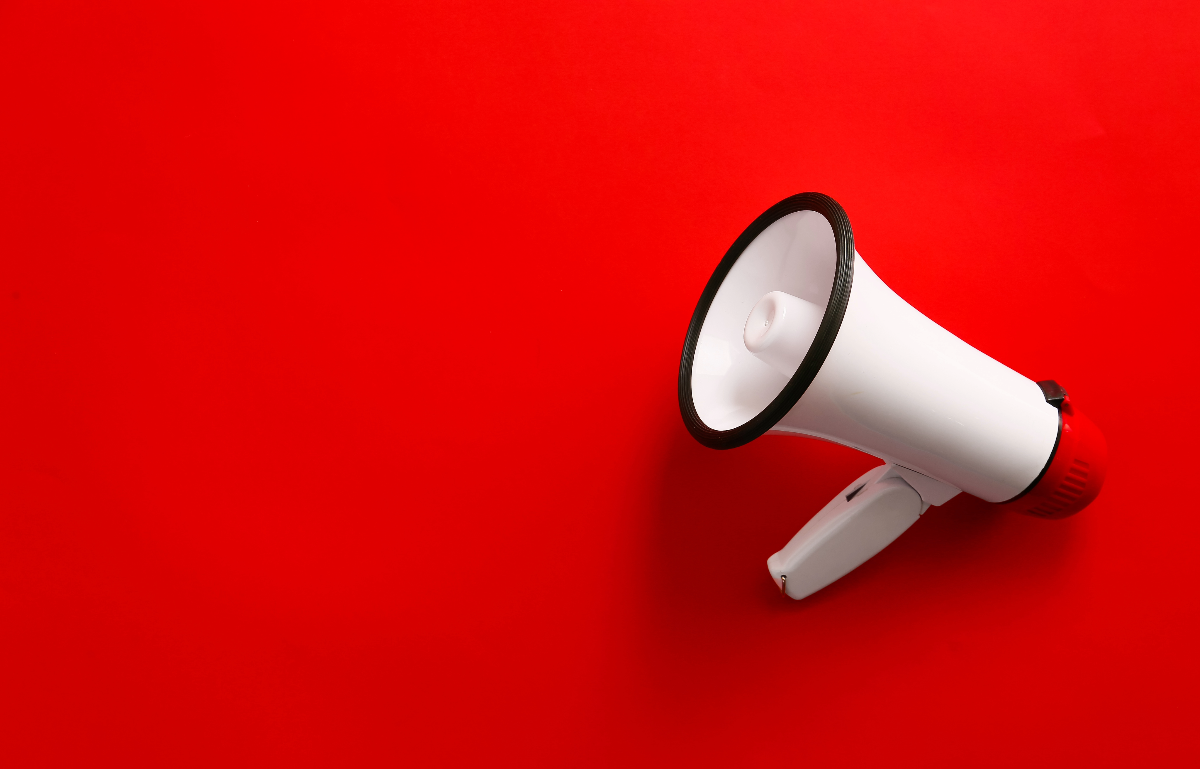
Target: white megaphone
794 334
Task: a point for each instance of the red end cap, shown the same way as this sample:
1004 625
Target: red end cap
1075 474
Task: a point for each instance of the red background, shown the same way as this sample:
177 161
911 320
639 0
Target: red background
338 346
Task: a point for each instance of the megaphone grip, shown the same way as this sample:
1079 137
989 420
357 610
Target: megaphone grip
1075 473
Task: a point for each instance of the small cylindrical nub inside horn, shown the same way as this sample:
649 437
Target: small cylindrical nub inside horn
780 329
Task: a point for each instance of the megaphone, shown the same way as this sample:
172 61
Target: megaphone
794 334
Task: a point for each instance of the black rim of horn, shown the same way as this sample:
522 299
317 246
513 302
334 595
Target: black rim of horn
835 310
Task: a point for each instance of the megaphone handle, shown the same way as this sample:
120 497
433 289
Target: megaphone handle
859 522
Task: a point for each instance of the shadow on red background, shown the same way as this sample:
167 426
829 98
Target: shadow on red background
718 512
717 650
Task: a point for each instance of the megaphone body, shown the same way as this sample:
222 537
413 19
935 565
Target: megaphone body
795 334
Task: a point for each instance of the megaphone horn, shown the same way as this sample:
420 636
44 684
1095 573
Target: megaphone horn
794 334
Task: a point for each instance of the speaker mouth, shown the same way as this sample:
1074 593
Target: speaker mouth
831 322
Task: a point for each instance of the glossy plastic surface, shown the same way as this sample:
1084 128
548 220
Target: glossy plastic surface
859 522
780 329
796 255
895 384
1076 473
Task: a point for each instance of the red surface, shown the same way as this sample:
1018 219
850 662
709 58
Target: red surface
1075 476
338 346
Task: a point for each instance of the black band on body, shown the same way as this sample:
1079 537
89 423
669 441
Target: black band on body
1054 395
